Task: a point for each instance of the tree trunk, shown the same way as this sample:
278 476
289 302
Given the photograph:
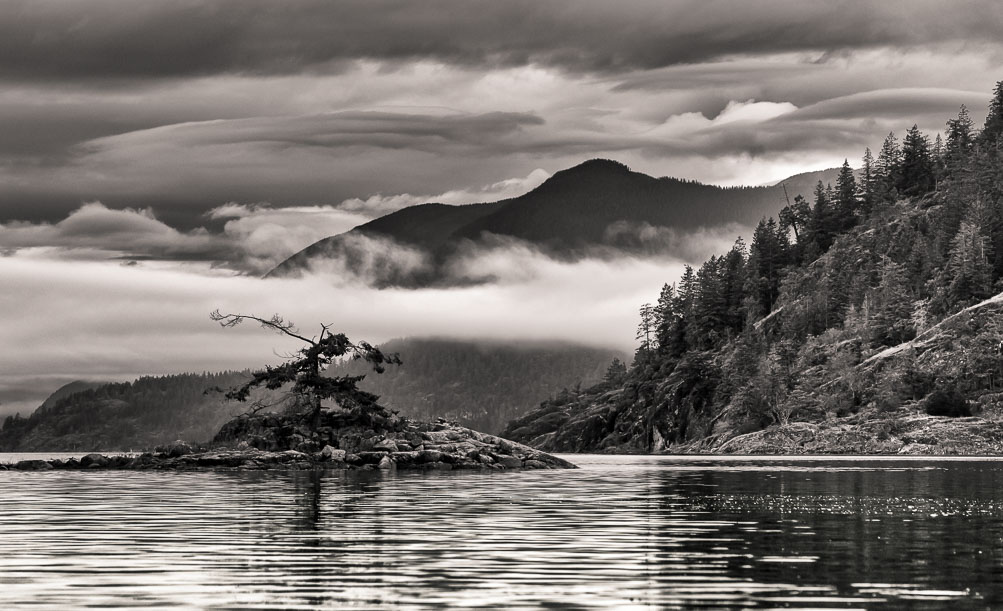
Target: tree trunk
315 414
315 398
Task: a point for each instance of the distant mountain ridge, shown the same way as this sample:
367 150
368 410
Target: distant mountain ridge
86 416
483 384
69 389
598 204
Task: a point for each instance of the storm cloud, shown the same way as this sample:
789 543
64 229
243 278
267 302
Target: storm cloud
186 106
117 39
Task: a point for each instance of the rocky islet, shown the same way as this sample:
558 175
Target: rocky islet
410 446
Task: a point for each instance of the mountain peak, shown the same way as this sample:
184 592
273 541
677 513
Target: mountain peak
598 165
590 175
570 213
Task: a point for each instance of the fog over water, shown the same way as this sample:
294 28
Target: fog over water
108 321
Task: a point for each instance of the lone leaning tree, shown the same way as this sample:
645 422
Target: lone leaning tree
304 370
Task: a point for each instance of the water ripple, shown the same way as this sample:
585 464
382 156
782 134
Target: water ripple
623 532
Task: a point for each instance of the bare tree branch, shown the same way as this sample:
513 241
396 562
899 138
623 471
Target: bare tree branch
276 323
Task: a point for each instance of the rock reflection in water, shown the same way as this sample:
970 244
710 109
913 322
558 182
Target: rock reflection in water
625 532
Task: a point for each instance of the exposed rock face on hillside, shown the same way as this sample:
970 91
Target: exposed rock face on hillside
907 433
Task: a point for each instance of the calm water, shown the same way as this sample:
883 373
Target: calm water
622 532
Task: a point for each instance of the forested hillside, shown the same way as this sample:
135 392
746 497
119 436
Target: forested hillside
849 323
599 206
482 385
140 414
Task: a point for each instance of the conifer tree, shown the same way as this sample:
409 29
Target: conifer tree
969 265
646 330
663 309
886 170
867 181
960 138
304 373
825 220
891 322
666 314
796 217
916 170
672 337
710 309
959 187
686 291
733 281
937 156
994 120
616 372
846 196
767 257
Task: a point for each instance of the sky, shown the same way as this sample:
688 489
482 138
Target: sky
157 157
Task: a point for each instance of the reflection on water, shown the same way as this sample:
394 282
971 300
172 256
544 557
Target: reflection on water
623 532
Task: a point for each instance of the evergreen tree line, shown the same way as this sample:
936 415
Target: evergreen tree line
913 236
143 413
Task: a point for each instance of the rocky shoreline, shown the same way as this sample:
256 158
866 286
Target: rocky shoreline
410 446
905 434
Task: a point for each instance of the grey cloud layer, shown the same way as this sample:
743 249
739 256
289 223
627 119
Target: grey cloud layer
52 39
185 106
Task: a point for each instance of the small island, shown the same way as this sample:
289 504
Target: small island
270 442
351 431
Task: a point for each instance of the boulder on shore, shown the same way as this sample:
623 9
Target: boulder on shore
33 465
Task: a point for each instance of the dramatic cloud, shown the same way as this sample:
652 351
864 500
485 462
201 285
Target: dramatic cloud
260 237
380 204
298 160
94 227
221 136
503 189
253 238
48 39
391 127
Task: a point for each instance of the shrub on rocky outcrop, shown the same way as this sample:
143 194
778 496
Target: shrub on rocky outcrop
950 403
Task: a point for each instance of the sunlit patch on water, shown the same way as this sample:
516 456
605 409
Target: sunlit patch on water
623 532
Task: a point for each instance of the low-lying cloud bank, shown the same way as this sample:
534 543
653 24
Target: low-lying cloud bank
73 319
254 237
109 294
379 261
